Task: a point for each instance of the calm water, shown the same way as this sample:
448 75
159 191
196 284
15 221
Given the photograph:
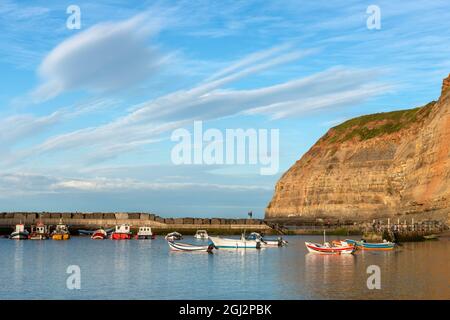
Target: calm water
148 270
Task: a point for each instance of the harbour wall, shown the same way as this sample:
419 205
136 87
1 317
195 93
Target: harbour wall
77 221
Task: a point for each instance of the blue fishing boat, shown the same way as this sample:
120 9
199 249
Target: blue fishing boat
385 245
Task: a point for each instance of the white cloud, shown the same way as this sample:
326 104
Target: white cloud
22 126
105 57
332 88
29 184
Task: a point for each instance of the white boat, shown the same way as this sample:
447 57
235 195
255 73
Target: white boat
177 246
235 243
173 236
201 234
267 242
145 233
99 234
20 233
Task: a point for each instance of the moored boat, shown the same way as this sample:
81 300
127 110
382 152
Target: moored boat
267 242
177 246
122 232
241 243
145 233
61 232
39 232
201 235
385 245
20 233
99 234
327 248
173 236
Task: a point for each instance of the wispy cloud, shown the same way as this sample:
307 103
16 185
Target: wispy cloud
105 57
210 100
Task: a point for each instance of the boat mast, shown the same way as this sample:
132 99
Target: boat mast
324 236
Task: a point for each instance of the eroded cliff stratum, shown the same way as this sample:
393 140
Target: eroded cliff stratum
377 165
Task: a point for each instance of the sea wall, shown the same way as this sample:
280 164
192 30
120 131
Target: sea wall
95 220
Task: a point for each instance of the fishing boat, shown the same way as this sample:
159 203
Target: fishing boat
267 242
385 245
145 233
20 233
201 234
122 232
334 248
241 243
431 237
61 232
173 236
39 232
99 234
178 246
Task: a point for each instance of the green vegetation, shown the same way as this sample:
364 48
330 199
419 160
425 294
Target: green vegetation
373 125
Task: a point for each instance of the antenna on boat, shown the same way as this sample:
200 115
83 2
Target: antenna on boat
324 236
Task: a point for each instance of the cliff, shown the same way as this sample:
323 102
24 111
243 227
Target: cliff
378 165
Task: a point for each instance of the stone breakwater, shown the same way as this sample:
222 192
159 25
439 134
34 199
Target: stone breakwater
95 220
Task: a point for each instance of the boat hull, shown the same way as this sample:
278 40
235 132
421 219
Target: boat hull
60 236
235 243
382 246
189 247
316 248
145 237
120 236
99 236
38 236
19 236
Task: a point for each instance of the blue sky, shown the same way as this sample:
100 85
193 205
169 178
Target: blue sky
87 114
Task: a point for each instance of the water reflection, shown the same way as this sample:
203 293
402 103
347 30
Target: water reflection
18 275
149 270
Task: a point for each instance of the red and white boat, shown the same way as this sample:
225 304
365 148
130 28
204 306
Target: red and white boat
99 234
122 232
337 247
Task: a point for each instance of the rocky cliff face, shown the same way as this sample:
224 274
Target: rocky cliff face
377 165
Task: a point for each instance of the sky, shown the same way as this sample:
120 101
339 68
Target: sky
87 115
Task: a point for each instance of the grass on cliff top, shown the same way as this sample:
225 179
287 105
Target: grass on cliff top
380 124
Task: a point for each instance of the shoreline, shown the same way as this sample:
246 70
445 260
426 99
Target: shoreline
224 226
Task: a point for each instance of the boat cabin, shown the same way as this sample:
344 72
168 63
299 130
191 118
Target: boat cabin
201 234
39 229
20 228
61 228
145 231
123 228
